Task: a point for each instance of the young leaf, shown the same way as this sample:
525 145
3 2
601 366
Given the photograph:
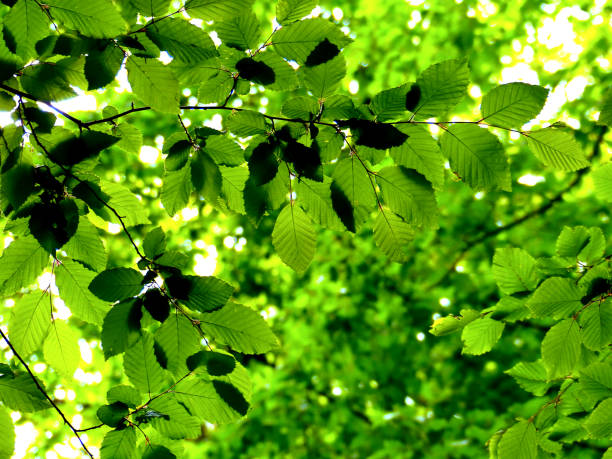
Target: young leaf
477 157
561 349
93 18
480 335
142 367
557 148
531 376
179 339
442 86
73 279
556 297
512 105
392 235
119 444
450 324
154 84
409 195
596 323
240 328
61 348
29 322
519 441
294 237
514 270
116 284
21 263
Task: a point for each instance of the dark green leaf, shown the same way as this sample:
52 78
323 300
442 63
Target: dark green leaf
232 396
116 284
112 415
121 327
76 149
157 304
53 224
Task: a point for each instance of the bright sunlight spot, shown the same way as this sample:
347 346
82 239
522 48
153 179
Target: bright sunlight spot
530 179
148 154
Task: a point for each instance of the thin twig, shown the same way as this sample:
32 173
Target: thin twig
42 391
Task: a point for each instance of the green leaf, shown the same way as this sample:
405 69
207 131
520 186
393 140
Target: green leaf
124 394
390 104
53 224
561 349
152 8
599 423
93 18
21 393
292 10
477 157
420 152
596 323
233 183
121 327
531 376
21 263
605 115
130 138
27 23
392 235
232 396
596 380
216 89
557 148
240 328
296 41
175 421
179 339
353 179
112 415
270 70
480 335
101 67
216 363
116 284
442 86
602 178
154 84
301 107
514 270
53 81
61 348
182 40
450 324
29 322
294 238
119 444
324 80
556 297
246 123
176 189
125 203
512 105
7 441
203 293
205 176
214 10
410 195
223 150
519 442
241 32
86 246
142 367
73 279
581 243
154 243
315 198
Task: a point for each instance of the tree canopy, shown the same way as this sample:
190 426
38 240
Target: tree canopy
305 229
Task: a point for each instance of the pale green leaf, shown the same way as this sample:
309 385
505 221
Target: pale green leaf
130 138
182 40
410 195
420 152
602 178
178 339
176 189
442 86
556 297
240 328
223 150
561 349
154 84
599 423
119 444
61 349
21 263
531 376
246 123
142 367
514 270
7 440
73 279
392 235
215 10
512 105
519 442
125 203
86 246
292 10
596 323
30 322
152 8
124 394
315 198
391 103
154 243
557 148
353 179
20 393
301 107
234 180
324 79
175 421
93 18
480 335
450 324
241 31
477 157
294 237
605 115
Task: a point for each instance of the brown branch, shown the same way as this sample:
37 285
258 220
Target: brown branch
42 391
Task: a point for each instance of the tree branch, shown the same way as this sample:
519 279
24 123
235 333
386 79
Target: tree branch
42 391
